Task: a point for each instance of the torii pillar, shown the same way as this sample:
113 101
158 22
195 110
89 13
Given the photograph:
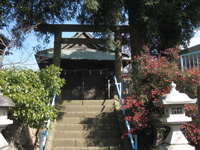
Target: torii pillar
57 48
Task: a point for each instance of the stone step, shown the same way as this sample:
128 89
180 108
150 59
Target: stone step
86 108
87 134
88 102
86 114
82 120
86 127
89 148
87 142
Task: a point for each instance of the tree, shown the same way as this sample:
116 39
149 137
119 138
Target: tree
26 13
32 92
21 16
160 24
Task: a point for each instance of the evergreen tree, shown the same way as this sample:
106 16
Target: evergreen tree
30 12
160 24
23 15
20 17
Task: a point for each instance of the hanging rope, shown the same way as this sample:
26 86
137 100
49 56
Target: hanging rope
87 70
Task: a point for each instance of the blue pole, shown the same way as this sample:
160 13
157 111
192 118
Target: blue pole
136 141
45 138
40 141
119 90
182 67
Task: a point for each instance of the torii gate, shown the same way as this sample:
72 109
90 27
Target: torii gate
57 30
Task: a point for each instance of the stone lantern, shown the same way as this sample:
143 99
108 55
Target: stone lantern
174 117
5 102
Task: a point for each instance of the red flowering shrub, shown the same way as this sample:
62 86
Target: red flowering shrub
151 78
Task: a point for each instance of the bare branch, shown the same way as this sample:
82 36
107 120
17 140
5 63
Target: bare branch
13 42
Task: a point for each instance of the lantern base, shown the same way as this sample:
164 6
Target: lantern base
175 136
175 147
3 142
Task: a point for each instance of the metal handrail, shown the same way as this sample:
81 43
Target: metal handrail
42 144
119 91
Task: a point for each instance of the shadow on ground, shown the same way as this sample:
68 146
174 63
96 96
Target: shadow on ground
103 131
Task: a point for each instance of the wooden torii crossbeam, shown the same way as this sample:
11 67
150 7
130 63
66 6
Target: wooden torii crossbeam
57 30
79 28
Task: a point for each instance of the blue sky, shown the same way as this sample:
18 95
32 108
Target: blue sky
196 39
25 56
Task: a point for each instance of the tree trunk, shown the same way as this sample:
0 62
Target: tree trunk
137 34
136 40
118 55
138 37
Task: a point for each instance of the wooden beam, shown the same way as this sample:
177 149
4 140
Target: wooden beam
79 28
81 41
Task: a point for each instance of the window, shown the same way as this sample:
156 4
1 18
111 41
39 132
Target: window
176 110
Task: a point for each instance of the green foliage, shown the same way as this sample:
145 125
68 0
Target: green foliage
92 5
162 24
30 12
157 23
21 16
105 13
32 92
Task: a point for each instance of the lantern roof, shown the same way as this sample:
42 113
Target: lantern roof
6 101
175 97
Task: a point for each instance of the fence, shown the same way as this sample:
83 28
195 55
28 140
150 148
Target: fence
190 60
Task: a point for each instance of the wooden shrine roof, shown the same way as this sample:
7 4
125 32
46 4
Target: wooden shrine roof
82 51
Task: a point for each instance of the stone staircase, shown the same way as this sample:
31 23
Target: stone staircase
87 125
